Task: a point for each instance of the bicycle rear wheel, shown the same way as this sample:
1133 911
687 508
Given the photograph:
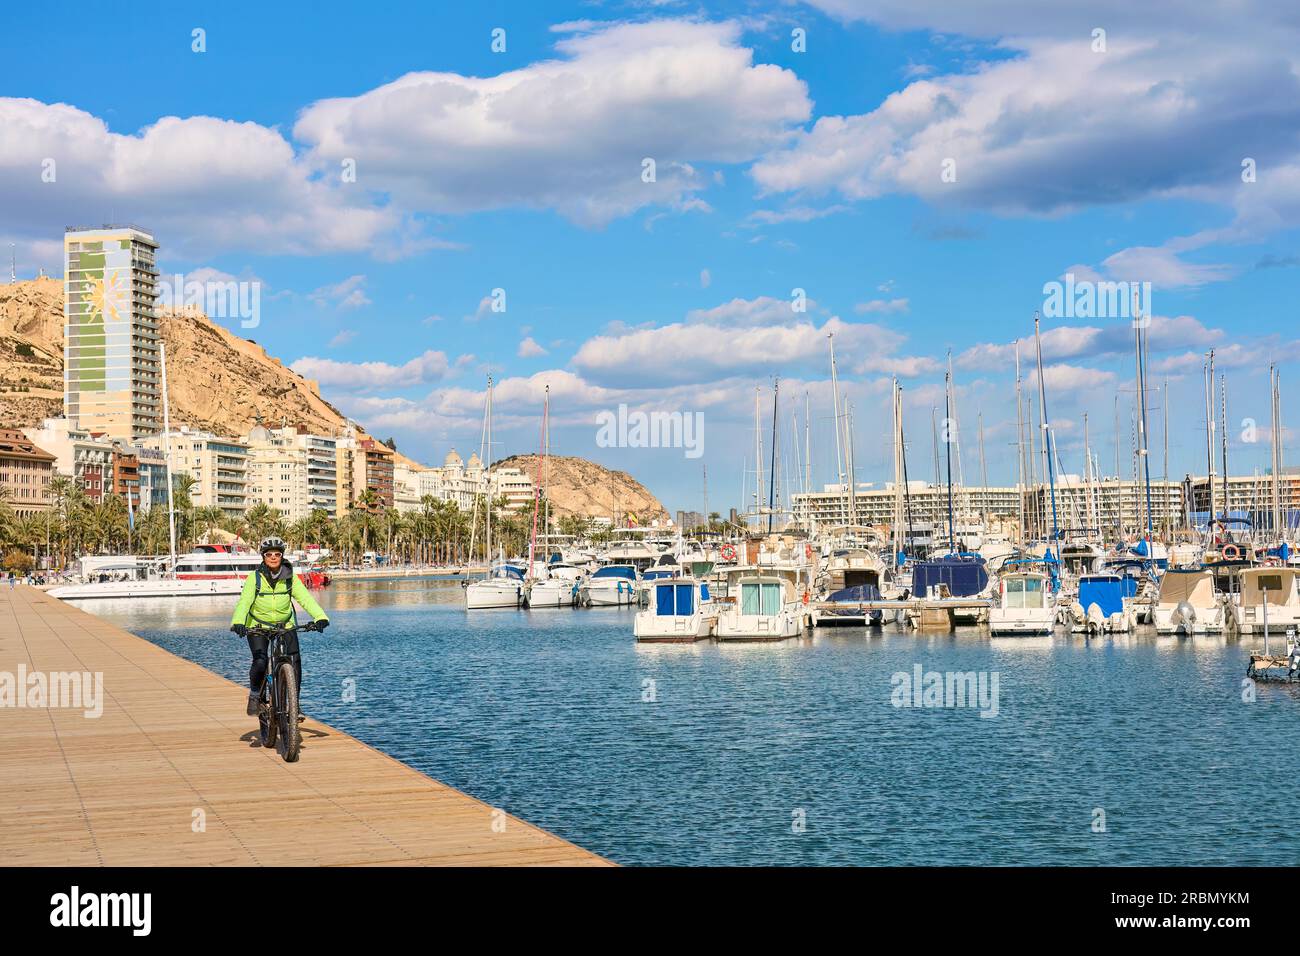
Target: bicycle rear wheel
290 735
266 722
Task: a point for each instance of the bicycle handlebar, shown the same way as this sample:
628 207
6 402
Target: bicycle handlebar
262 629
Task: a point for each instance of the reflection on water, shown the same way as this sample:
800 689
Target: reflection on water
547 714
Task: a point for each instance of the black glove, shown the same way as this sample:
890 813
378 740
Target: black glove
239 629
321 624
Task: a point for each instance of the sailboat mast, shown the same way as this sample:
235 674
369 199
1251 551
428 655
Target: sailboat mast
1208 371
1020 448
771 488
835 400
1047 426
167 444
1138 336
1223 436
537 486
487 466
947 443
984 476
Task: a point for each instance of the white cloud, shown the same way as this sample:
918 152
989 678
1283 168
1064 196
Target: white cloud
528 348
1050 126
705 279
203 184
699 352
347 294
342 337
354 376
882 305
567 134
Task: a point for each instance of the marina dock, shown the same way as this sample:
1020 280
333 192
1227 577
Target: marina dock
170 773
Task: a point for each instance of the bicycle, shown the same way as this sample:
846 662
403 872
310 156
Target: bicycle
277 713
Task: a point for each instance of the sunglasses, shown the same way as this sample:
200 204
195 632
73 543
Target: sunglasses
278 554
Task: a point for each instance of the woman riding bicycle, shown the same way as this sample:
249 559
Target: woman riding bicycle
267 601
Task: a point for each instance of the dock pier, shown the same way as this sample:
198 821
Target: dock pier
169 772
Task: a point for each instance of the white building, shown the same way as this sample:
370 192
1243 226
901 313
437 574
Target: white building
293 471
219 467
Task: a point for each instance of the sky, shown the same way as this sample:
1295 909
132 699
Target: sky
669 206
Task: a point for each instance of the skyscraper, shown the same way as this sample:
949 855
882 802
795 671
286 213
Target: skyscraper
111 373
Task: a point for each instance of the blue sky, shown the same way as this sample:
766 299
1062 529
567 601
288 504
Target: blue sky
819 170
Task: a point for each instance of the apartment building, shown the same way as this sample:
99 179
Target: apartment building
25 473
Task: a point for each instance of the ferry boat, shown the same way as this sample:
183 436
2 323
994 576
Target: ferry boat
208 570
610 586
503 587
680 610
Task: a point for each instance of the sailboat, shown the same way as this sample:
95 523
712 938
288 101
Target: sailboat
503 585
554 583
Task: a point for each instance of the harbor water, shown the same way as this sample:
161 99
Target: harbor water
1122 751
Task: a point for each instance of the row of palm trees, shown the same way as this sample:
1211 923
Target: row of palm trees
437 533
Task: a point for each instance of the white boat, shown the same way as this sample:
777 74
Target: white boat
610 586
148 588
1026 604
503 587
762 607
209 569
680 610
560 588
1187 603
1268 594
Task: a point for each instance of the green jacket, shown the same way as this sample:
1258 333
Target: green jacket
272 604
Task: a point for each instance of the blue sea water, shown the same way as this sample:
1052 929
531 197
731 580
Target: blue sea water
1136 750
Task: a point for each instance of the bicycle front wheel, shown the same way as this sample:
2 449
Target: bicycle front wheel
290 735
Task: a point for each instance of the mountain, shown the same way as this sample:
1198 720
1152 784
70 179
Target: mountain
216 380
221 382
582 487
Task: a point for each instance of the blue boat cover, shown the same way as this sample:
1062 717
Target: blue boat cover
855 595
1106 591
616 571
964 578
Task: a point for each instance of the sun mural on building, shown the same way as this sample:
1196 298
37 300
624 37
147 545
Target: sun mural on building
107 295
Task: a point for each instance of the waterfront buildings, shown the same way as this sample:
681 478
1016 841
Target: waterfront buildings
219 467
293 471
112 381
25 473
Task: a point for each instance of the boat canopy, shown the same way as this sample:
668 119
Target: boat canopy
1194 586
625 571
1277 586
656 574
1107 591
508 571
678 598
963 578
1024 589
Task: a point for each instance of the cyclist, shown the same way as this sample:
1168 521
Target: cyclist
267 601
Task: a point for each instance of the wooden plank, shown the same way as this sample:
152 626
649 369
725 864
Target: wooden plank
170 774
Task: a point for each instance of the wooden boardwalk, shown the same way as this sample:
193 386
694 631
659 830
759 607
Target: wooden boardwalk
169 774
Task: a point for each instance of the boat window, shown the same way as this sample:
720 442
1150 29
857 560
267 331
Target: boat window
664 600
764 598
704 592
685 599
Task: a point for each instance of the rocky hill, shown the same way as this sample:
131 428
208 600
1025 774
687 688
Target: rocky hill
216 380
581 487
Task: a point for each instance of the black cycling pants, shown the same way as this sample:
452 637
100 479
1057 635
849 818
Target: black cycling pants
258 645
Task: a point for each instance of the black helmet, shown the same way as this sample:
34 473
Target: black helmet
271 544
